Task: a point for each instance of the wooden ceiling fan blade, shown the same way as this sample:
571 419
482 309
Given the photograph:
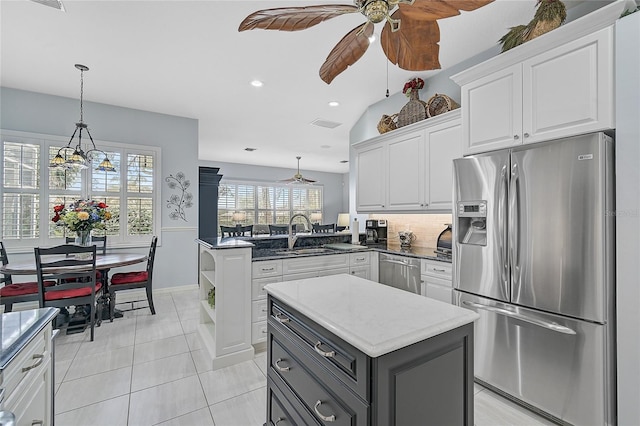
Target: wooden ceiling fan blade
414 46
430 10
346 52
293 18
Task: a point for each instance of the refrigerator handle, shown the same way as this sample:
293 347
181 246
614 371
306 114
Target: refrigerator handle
516 315
502 224
514 225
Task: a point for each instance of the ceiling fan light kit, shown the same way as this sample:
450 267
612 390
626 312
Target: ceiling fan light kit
410 40
298 178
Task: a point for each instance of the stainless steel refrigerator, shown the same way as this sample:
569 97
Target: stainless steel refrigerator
534 256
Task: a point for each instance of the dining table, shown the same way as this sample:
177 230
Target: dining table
104 263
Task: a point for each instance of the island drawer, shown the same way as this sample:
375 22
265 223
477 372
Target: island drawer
325 399
346 363
284 409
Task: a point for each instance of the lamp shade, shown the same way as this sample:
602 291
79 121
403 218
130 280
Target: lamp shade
316 217
239 216
343 219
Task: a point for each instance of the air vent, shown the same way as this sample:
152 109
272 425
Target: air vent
56 4
325 123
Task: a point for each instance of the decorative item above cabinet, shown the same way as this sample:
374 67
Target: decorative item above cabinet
409 169
557 85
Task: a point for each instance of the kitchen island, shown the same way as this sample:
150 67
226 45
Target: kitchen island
347 350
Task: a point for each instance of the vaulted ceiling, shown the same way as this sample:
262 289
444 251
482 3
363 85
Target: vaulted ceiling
187 58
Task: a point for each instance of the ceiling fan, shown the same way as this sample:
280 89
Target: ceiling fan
410 40
298 178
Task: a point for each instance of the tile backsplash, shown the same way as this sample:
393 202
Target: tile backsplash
426 227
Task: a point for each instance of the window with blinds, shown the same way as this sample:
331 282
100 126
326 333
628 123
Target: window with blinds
265 204
30 190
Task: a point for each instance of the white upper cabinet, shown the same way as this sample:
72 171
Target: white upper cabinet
409 169
557 85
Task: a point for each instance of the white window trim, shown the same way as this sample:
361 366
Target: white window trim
44 140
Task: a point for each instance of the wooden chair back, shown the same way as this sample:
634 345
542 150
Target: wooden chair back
236 231
323 229
278 229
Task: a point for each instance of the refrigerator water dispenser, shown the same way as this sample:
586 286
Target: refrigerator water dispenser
472 222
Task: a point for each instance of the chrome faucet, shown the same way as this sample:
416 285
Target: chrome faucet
293 238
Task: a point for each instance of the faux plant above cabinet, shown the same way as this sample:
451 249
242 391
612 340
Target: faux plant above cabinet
557 85
409 169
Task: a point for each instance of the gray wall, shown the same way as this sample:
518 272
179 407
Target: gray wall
177 136
335 184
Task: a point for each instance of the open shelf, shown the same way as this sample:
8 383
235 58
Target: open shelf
208 310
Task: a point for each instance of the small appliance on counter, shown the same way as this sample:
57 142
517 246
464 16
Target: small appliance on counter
406 238
376 233
443 246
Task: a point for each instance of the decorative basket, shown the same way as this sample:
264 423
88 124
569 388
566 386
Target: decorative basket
387 123
438 104
413 111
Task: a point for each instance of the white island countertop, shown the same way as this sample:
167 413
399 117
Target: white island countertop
374 318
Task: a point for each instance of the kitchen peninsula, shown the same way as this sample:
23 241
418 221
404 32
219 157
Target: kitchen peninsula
351 351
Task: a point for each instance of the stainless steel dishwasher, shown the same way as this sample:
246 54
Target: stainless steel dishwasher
400 272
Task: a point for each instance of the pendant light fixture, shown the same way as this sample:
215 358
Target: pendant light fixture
79 158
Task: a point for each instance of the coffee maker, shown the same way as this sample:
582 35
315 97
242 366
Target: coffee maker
376 233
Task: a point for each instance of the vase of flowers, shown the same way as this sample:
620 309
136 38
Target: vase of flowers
414 110
81 217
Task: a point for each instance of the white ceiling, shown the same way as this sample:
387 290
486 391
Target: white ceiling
187 58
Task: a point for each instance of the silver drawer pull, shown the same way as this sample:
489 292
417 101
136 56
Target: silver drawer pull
264 310
278 420
330 418
264 331
39 358
283 369
267 269
329 354
438 270
282 319
37 422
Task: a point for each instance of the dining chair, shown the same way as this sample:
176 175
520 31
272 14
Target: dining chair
75 275
236 231
102 275
278 229
323 229
132 280
12 293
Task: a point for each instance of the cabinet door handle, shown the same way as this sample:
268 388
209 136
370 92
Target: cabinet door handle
330 418
267 269
526 135
282 319
264 331
278 420
438 270
39 359
283 369
516 137
37 422
329 354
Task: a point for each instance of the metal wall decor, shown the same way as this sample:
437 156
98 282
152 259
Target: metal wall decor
182 201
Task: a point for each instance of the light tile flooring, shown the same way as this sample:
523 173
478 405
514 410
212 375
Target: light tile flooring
151 370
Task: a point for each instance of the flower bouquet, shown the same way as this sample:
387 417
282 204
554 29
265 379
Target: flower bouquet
81 217
412 86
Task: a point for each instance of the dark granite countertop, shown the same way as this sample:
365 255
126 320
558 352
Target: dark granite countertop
19 328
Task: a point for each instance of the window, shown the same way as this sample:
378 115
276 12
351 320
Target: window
30 189
266 204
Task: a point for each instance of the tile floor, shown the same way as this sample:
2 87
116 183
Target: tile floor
151 370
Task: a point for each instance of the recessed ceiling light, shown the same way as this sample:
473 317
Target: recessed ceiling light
325 146
250 149
334 103
257 83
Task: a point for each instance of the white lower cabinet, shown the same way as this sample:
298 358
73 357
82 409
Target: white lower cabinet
436 280
28 381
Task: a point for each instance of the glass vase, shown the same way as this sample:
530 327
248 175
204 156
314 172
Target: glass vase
83 238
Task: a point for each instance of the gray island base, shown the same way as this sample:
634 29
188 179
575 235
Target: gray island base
343 350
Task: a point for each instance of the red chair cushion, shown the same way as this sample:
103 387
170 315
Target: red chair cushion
67 294
129 277
22 289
